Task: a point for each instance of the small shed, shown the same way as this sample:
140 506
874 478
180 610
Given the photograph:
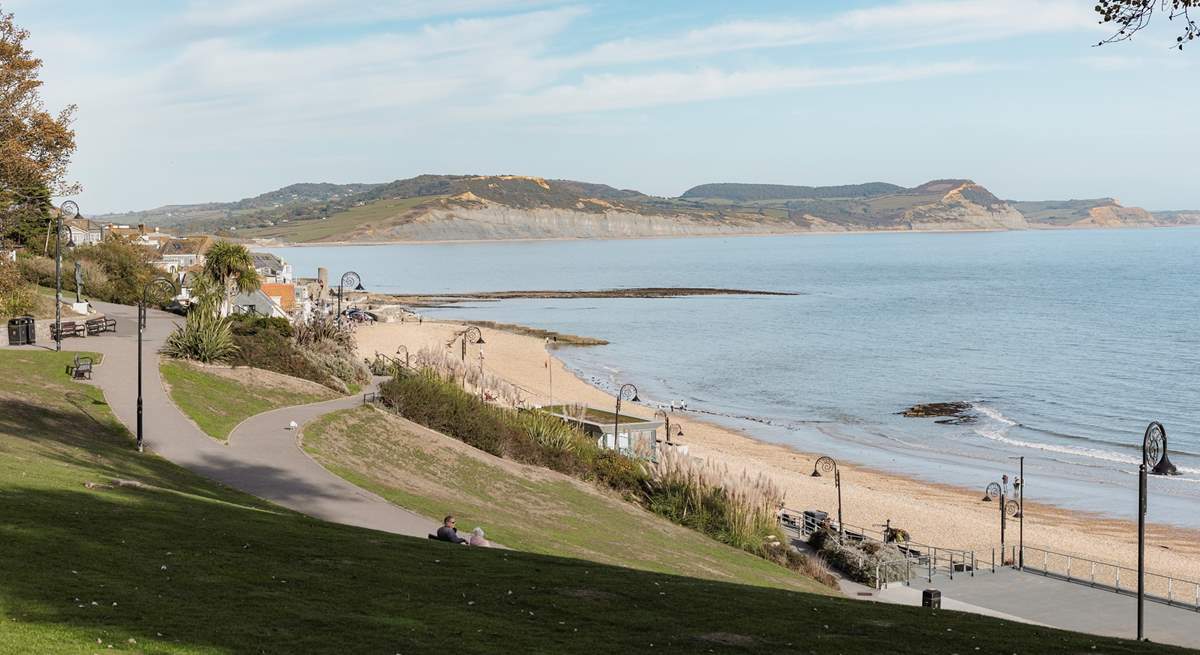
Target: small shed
632 434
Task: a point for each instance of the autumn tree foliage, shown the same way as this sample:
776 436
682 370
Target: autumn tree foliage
35 144
1132 16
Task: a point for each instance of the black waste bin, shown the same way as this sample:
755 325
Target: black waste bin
21 331
931 598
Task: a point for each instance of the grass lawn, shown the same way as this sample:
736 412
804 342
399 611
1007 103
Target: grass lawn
523 507
338 225
217 399
182 565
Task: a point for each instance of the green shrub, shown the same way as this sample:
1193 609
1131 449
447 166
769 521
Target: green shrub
274 352
17 296
254 325
204 337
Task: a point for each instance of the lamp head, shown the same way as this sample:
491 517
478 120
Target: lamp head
360 287
68 210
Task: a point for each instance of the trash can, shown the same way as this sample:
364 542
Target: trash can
21 331
931 598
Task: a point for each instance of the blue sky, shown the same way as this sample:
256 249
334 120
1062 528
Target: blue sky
191 101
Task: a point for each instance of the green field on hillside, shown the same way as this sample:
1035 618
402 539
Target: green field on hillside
340 224
108 550
217 403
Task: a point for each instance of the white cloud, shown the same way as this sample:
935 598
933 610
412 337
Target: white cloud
609 92
259 13
903 25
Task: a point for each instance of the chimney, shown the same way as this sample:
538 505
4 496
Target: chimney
323 276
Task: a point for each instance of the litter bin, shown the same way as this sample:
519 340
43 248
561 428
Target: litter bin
931 598
21 331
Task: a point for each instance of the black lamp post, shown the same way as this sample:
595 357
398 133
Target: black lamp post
469 335
667 419
1008 508
827 464
162 284
68 210
1155 461
627 392
349 279
1019 488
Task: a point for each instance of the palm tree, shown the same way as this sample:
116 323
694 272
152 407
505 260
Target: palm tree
230 265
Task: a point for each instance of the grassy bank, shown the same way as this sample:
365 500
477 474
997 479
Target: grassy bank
218 398
181 565
434 474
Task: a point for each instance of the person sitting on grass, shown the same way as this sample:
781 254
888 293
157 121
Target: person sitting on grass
477 538
448 532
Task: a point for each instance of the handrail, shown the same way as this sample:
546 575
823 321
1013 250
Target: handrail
1160 588
934 558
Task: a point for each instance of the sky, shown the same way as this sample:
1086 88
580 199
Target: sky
183 101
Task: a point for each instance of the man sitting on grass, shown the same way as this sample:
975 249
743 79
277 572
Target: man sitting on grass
448 532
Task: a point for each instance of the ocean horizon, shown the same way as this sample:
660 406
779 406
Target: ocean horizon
1065 343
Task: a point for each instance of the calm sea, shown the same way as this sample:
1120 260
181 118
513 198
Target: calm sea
1067 343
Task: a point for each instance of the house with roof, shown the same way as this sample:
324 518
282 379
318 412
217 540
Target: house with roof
83 231
271 268
282 294
628 434
258 303
177 255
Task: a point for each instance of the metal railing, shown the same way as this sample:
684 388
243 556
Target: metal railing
1165 589
918 557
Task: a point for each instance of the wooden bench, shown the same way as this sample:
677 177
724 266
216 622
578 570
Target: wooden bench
82 367
68 329
99 325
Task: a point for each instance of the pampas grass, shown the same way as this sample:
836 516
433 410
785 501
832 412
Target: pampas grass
738 509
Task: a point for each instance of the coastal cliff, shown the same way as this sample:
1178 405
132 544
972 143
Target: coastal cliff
500 207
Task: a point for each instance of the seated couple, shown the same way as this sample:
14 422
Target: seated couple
448 532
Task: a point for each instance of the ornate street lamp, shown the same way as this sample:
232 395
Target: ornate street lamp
470 335
626 392
67 211
826 464
349 279
403 349
1019 488
667 419
1008 508
1155 461
157 284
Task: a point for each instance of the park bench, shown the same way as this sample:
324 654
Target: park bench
82 367
98 325
67 329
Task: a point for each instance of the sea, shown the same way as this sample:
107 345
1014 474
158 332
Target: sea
1066 343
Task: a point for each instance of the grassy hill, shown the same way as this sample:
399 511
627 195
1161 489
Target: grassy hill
449 207
524 507
218 398
105 549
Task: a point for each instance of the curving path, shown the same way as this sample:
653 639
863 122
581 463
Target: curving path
263 457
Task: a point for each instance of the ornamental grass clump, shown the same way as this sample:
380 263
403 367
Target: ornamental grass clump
736 509
204 337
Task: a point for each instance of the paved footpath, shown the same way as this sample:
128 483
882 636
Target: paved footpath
263 457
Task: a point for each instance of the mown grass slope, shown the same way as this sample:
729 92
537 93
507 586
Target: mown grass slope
218 399
177 564
523 507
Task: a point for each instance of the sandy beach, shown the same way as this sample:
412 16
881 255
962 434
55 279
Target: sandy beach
939 515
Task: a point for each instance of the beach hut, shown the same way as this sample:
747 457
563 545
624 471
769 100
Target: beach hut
632 435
